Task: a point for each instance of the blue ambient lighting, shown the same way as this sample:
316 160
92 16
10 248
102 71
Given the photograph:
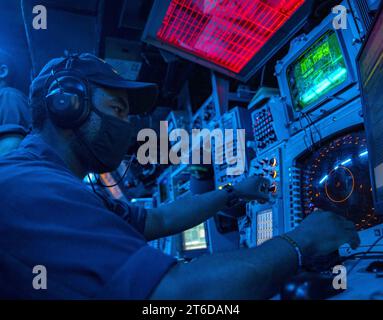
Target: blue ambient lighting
363 154
346 162
323 179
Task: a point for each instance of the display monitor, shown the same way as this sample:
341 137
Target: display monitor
370 68
317 71
194 238
235 38
336 178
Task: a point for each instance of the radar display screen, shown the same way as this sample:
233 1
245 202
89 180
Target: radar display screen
336 178
319 70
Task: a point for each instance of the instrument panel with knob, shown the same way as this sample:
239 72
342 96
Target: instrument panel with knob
268 167
236 118
269 125
266 220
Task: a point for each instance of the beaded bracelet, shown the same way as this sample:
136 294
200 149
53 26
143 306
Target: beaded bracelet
296 248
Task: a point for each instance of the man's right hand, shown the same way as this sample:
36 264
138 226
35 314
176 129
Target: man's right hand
322 233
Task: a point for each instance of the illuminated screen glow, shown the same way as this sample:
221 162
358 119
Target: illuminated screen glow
195 238
226 32
317 71
336 178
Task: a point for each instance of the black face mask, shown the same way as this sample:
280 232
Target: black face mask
108 145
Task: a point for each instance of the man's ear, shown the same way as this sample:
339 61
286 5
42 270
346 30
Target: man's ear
4 71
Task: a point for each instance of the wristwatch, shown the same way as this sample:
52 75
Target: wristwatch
233 199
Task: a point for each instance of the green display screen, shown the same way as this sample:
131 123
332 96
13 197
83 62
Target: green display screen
195 238
317 71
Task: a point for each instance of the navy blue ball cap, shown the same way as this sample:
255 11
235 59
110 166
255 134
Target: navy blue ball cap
141 95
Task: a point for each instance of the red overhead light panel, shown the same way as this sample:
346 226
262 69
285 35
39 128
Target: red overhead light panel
228 33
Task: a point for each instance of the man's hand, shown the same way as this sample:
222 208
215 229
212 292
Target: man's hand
254 188
324 232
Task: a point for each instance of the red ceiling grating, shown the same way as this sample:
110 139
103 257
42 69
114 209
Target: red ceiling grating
226 32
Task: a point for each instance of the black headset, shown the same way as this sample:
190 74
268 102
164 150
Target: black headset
67 96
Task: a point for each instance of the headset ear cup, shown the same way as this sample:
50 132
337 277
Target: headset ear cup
62 101
67 101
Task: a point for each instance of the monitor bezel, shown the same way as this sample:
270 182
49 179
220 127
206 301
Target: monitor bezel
286 33
338 88
299 46
378 204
